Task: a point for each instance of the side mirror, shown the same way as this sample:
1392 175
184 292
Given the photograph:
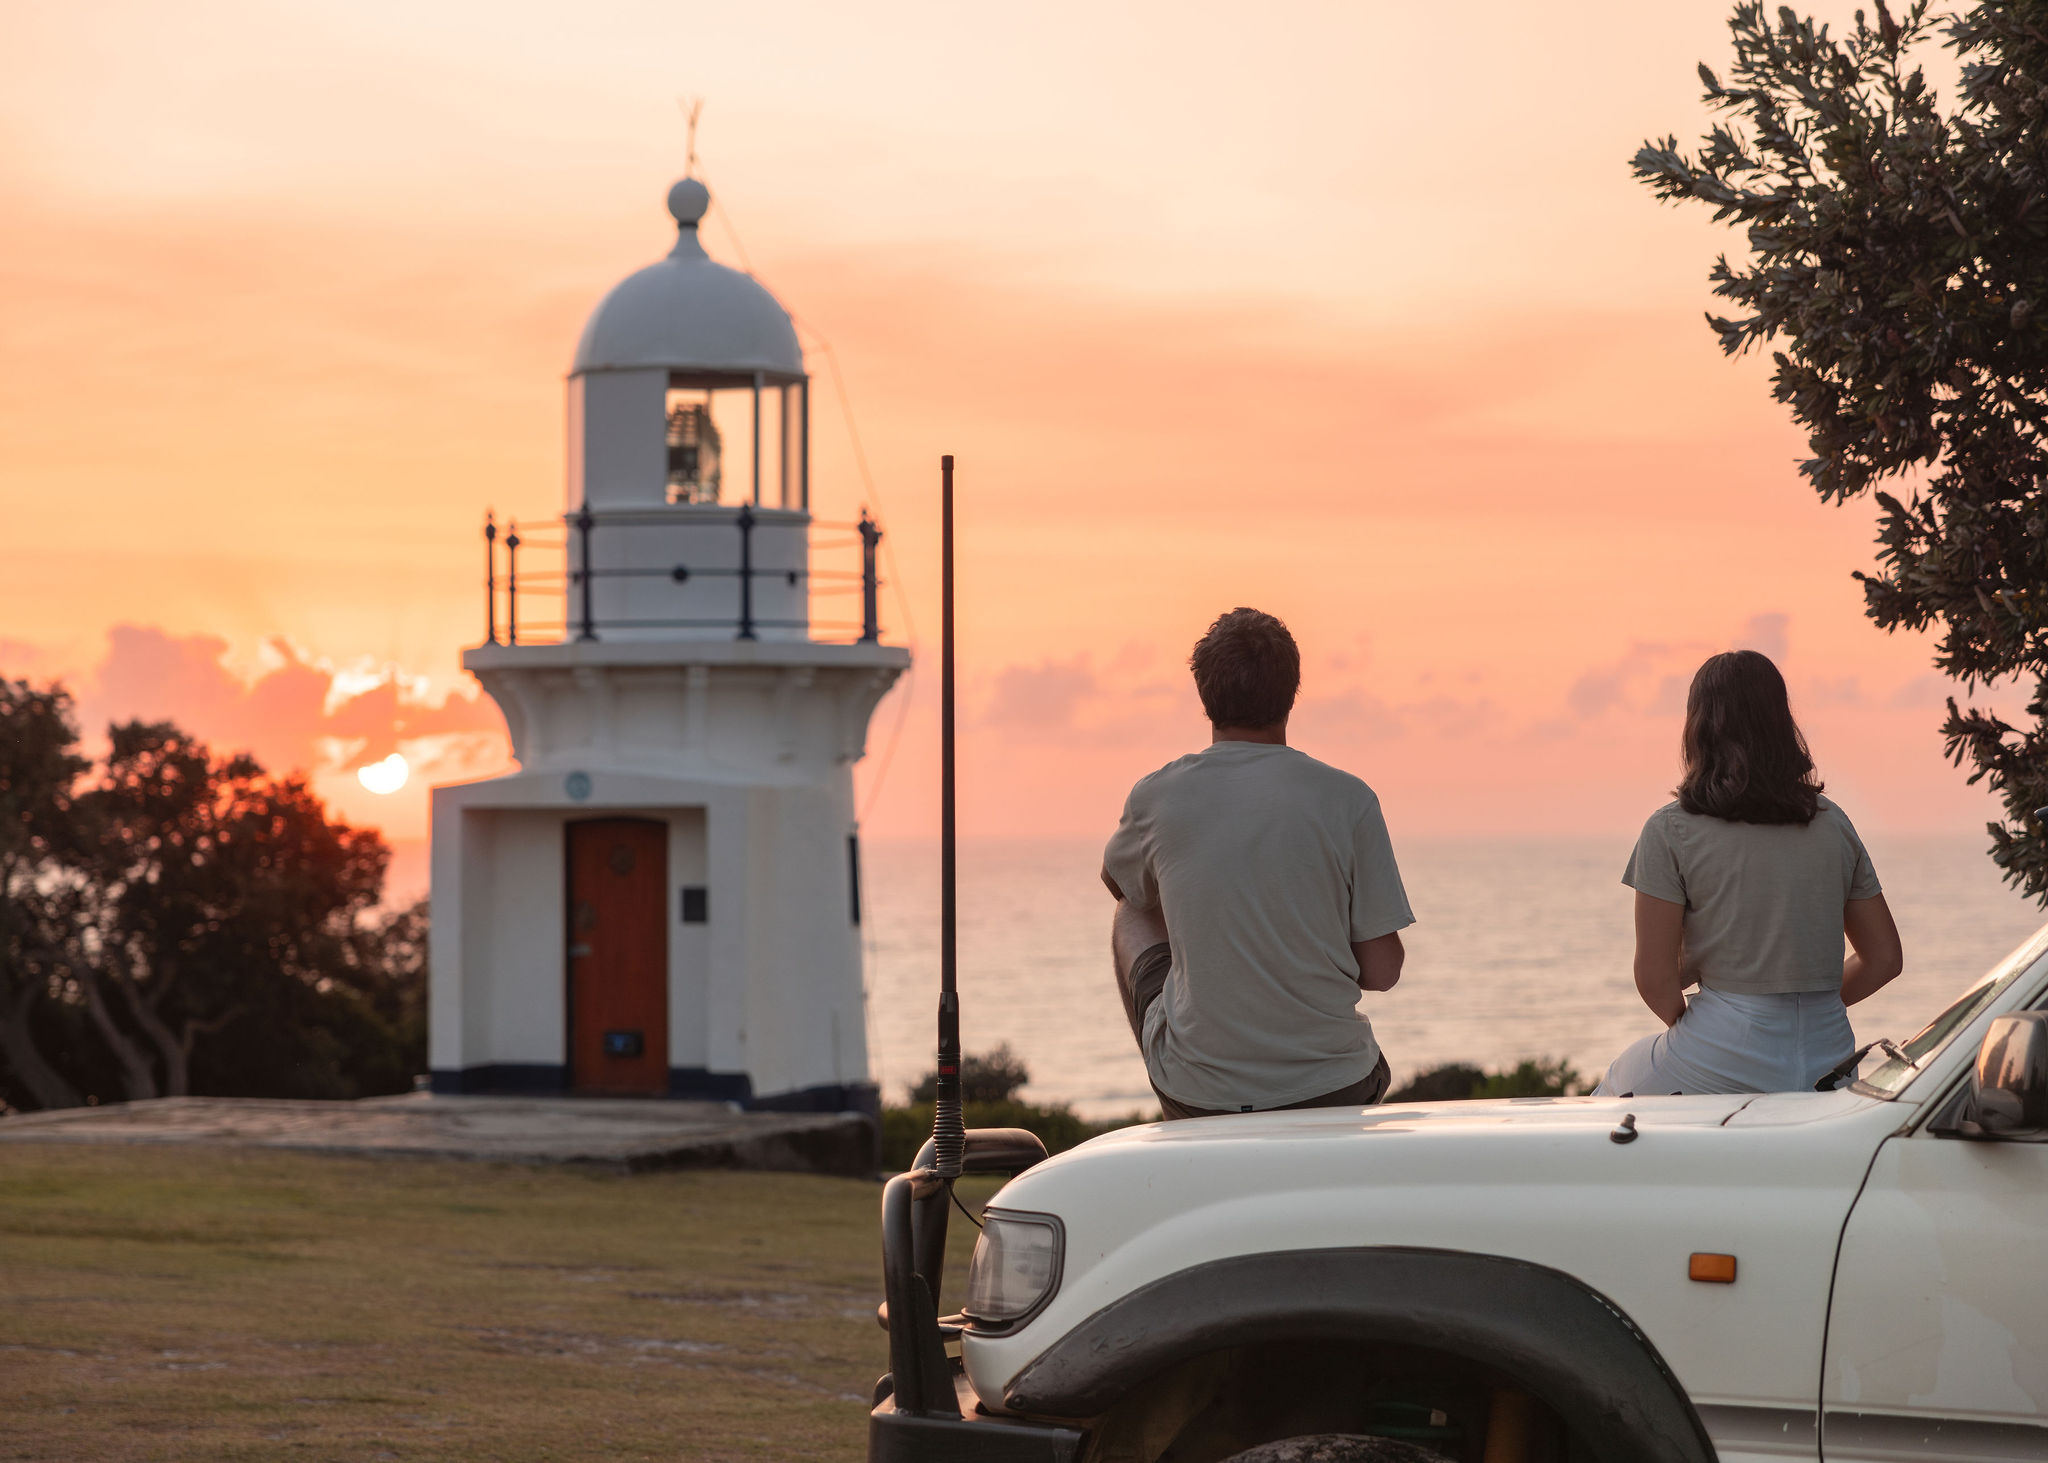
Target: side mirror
2008 1092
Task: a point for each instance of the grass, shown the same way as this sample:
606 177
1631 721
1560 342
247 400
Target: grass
167 1304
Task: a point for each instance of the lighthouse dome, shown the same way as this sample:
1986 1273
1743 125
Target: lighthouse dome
689 313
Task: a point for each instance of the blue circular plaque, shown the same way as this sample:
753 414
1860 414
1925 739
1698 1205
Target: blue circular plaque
577 785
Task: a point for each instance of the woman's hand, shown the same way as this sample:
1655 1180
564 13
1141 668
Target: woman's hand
1660 956
1874 940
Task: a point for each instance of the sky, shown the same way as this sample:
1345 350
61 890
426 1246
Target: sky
1350 312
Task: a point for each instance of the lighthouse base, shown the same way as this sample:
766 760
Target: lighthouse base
690 1084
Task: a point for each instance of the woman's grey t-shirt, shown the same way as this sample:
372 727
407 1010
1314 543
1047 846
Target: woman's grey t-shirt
1267 865
1763 901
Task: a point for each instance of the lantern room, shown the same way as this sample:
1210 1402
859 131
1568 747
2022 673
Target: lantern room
688 387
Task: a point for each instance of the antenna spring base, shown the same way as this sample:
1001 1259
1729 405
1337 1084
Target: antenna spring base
949 1137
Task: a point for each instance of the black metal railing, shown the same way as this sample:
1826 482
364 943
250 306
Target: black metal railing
567 610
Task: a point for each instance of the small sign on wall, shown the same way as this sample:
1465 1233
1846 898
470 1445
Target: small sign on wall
696 904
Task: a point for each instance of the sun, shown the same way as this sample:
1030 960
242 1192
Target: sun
385 777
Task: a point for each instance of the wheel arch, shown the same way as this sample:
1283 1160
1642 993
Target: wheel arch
1552 1335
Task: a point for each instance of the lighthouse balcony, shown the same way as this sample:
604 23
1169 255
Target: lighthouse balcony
681 572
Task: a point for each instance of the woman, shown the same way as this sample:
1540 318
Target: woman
1745 886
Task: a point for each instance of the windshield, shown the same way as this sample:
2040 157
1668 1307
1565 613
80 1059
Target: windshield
1905 1063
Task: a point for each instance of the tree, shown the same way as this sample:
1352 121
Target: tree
984 1077
1899 255
213 881
186 923
39 903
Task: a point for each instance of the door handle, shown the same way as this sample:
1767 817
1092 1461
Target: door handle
578 951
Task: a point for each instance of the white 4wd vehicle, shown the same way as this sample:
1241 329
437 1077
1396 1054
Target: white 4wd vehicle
1858 1274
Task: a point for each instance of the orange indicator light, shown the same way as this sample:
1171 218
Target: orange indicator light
1713 1269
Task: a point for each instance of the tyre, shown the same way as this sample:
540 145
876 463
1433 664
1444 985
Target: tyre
1337 1448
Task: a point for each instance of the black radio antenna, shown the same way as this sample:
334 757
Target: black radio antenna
949 1129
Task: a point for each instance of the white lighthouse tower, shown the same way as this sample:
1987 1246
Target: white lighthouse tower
664 898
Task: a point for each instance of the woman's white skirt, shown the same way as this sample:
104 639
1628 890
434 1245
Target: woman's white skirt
1738 1043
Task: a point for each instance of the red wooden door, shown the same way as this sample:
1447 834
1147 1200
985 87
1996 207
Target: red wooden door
618 956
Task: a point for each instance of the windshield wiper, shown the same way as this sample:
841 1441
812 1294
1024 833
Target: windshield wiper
1884 1044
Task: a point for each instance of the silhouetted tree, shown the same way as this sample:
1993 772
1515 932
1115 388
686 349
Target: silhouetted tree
1899 254
993 1076
40 898
185 923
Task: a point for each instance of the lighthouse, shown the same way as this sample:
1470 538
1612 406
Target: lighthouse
664 898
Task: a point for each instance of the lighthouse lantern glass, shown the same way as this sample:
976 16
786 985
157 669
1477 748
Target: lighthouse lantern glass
728 430
694 449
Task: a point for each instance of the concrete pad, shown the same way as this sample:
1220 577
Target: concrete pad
626 1135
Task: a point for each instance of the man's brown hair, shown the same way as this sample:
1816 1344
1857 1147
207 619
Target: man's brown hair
1247 669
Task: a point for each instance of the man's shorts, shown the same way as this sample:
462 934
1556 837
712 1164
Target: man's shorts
1148 979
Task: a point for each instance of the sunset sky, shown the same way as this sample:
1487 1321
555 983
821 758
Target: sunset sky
1351 312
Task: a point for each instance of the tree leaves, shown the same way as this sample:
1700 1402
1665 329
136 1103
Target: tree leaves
1896 247
184 922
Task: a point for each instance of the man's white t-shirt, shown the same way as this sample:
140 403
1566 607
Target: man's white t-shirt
1268 865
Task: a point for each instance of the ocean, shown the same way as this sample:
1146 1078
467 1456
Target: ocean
1521 948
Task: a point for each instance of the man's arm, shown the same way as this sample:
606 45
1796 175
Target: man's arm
1379 962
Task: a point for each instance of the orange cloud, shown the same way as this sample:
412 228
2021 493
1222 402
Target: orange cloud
291 715
294 714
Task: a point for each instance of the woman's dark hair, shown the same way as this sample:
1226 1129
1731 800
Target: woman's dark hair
1247 670
1744 757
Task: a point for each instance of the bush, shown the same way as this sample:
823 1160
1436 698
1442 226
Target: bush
1453 1083
1541 1077
904 1129
989 1083
988 1077
1461 1082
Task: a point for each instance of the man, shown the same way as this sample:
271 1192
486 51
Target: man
1257 896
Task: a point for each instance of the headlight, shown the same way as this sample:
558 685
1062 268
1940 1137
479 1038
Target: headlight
1016 1267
